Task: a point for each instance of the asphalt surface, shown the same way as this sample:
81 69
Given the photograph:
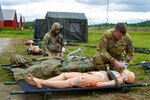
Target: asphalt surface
4 42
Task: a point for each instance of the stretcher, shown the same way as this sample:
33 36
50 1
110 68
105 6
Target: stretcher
142 50
145 64
9 66
26 88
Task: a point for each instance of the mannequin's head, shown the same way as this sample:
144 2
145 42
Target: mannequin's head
129 76
36 49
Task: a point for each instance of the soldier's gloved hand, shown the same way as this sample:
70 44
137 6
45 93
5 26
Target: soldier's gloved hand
123 64
50 55
117 64
61 54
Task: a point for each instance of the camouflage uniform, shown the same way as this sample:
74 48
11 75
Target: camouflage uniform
110 48
53 43
48 67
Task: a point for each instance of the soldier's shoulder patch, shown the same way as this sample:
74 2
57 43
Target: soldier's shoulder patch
105 40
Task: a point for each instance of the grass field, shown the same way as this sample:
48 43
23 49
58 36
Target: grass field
140 39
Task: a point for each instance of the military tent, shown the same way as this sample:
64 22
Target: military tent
40 28
75 27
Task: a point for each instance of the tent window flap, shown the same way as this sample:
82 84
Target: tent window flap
74 27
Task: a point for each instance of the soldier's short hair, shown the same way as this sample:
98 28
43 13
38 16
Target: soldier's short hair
121 27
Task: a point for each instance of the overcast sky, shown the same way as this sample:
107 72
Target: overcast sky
95 10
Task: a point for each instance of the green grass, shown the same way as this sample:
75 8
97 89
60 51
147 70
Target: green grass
10 33
141 39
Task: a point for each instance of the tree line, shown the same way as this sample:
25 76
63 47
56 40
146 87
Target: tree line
30 25
138 24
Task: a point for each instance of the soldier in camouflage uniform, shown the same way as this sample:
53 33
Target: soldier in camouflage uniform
53 42
46 67
115 46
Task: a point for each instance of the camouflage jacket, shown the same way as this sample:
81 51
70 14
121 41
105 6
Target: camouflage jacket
52 43
109 47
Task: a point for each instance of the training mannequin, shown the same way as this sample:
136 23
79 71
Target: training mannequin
77 79
33 48
29 42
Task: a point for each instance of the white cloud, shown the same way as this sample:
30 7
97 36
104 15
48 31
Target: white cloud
133 5
95 13
128 16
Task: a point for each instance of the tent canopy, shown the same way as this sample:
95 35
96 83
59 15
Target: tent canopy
66 15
